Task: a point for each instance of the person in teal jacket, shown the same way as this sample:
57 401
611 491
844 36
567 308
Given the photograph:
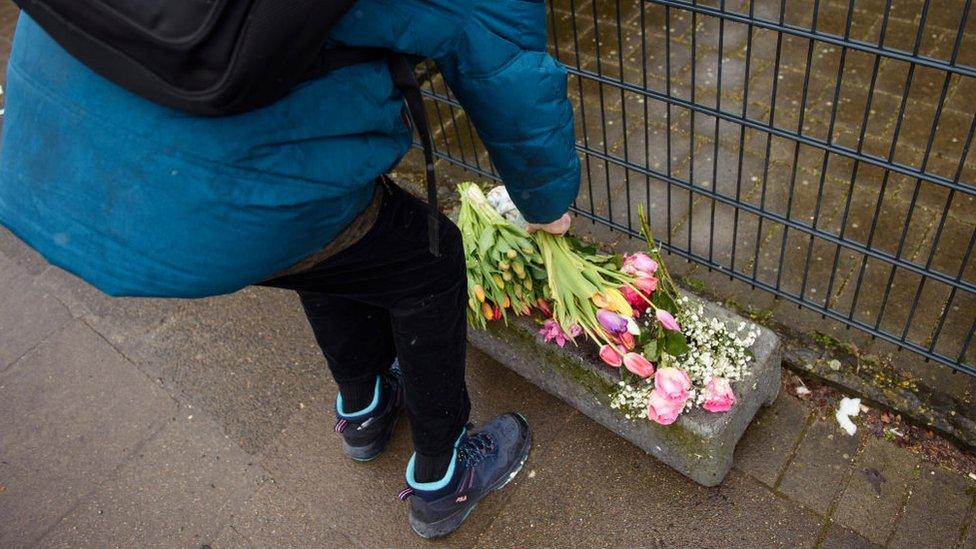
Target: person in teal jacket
141 200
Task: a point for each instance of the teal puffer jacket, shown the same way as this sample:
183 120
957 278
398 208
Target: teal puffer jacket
141 200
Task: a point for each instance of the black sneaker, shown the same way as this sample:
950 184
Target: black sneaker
366 433
486 459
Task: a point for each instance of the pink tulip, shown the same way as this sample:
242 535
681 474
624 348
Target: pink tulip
718 394
667 320
611 356
639 263
663 410
638 365
611 321
627 341
672 383
544 307
646 284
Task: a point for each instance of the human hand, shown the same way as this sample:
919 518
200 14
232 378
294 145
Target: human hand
557 227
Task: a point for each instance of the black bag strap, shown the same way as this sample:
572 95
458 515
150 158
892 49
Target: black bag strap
404 78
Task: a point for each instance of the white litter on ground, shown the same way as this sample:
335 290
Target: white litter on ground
802 391
848 408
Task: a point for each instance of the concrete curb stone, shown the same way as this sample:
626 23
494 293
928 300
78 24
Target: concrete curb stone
700 444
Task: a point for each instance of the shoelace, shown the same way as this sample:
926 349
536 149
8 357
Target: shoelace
475 448
471 450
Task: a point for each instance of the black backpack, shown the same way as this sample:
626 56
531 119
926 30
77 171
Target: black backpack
218 57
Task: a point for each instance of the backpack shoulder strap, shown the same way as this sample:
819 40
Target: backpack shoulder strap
404 78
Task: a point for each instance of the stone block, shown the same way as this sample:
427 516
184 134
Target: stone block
700 444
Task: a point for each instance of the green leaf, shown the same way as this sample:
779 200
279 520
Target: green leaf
486 240
652 352
675 343
662 300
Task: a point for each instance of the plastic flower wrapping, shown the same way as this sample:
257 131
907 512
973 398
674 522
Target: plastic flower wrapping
671 356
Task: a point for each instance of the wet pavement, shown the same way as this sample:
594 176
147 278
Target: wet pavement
188 423
130 422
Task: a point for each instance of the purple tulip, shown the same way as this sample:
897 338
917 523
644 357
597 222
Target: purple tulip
611 321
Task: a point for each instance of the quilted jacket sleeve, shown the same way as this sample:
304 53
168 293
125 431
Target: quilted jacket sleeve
492 54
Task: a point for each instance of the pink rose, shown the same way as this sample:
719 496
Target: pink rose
672 383
639 263
611 356
638 365
718 395
667 320
663 410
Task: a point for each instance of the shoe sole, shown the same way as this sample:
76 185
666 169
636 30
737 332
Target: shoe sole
441 528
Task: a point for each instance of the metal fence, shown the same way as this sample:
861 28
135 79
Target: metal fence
817 150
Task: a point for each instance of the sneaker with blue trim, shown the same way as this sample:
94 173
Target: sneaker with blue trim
485 460
366 433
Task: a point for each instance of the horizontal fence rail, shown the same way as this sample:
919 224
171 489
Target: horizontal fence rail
817 150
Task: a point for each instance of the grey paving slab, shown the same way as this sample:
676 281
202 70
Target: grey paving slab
28 312
307 461
123 321
970 536
821 465
596 490
248 359
937 510
872 501
230 539
273 518
71 412
20 253
175 492
839 537
769 441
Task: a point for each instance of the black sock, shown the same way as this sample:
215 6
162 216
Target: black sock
357 396
432 468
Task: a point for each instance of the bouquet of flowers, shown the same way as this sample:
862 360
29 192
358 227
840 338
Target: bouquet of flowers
503 264
671 356
695 370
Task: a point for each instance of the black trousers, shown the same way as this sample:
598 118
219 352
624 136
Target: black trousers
386 297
